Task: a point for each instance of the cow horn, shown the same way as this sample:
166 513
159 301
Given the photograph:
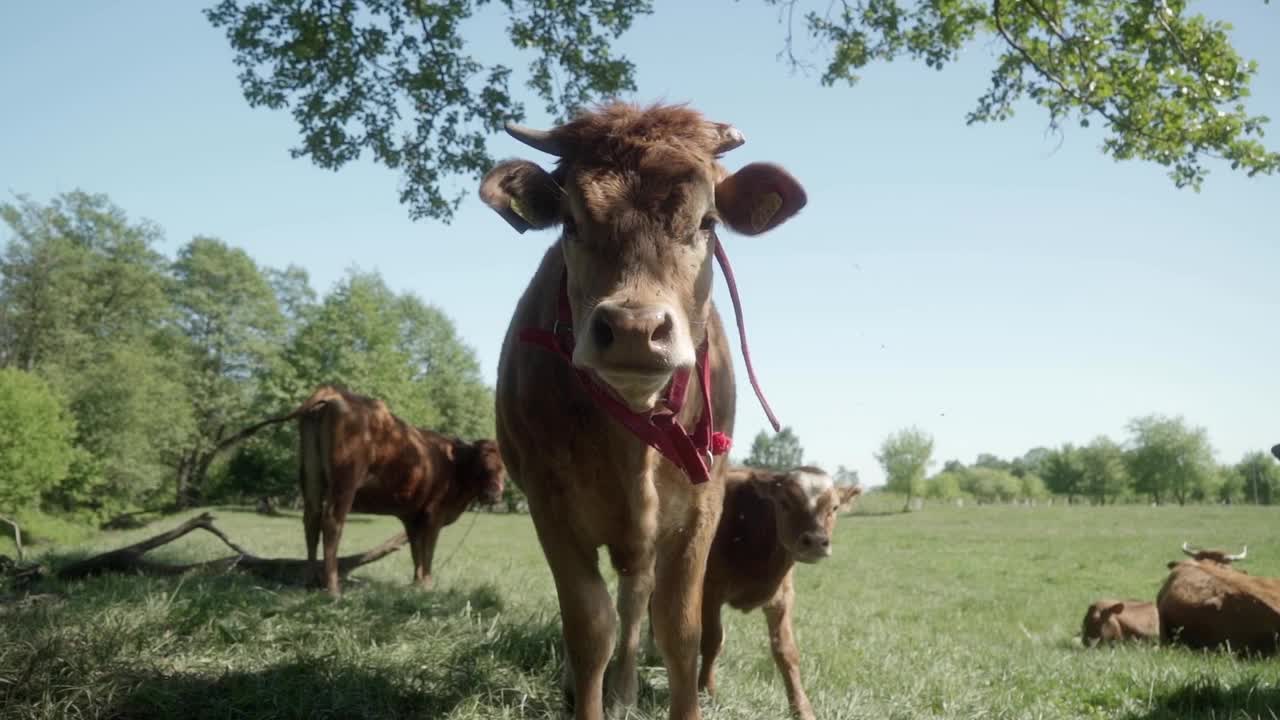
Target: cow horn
1186 549
536 139
728 137
1241 556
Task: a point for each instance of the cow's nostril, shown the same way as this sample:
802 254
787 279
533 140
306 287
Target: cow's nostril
825 542
662 333
601 333
806 541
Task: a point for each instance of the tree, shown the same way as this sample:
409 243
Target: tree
1260 477
1165 83
1063 472
846 476
1167 458
780 452
36 432
905 456
1031 463
944 486
231 327
1033 487
85 306
1102 465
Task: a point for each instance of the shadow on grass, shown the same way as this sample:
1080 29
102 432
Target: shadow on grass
218 621
1210 698
474 675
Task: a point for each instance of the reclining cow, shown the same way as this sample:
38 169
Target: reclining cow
355 455
771 521
1207 603
614 352
1110 621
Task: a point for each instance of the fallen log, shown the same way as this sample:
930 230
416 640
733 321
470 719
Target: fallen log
287 571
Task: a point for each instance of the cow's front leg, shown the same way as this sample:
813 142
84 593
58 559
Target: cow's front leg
635 586
712 641
782 642
424 542
586 616
677 607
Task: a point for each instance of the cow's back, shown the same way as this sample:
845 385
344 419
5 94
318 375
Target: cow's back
1203 605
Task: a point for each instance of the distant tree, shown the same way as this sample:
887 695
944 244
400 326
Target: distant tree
1033 487
905 457
1102 462
1063 472
987 460
987 484
1031 463
1168 459
944 486
1231 488
231 327
953 466
83 292
36 433
846 476
781 451
1260 476
398 80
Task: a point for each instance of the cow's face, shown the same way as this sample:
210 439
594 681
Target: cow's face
638 194
482 469
806 504
1102 623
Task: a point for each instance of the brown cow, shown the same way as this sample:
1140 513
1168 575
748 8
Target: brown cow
355 455
1207 603
771 520
627 290
1108 621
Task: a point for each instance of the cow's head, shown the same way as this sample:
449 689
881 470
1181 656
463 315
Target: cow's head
638 194
807 504
1215 556
480 468
1102 623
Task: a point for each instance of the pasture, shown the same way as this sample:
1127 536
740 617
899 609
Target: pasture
947 613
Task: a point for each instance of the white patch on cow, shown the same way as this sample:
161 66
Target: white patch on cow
814 485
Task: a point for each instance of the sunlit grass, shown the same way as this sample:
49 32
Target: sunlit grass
946 613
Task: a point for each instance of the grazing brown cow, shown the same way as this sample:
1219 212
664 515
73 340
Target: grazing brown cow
1207 603
1108 621
355 455
614 333
771 520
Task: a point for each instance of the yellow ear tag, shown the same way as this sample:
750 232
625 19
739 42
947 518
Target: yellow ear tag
518 208
766 207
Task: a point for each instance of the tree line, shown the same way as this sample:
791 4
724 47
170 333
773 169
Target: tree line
1163 460
121 369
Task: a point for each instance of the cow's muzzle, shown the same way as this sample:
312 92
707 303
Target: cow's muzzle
634 349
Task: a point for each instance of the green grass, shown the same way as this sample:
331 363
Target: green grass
947 613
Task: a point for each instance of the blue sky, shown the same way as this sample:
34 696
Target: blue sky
998 286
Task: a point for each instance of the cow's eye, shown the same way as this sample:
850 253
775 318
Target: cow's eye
708 224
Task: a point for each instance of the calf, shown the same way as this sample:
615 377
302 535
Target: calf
771 520
355 455
1108 621
615 351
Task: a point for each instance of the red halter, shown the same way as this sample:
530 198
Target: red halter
659 428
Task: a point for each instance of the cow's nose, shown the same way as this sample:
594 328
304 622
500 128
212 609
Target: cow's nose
633 335
815 541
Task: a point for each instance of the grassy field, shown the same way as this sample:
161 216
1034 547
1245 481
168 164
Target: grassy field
947 613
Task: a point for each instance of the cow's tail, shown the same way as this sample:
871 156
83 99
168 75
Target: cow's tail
318 400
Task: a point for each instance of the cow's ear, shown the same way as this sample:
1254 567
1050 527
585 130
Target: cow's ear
1113 609
847 494
525 195
758 198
